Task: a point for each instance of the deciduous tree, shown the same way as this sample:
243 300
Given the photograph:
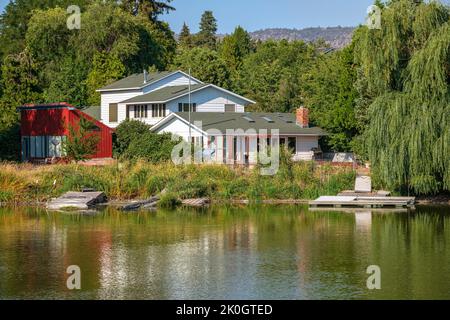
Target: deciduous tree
405 70
205 64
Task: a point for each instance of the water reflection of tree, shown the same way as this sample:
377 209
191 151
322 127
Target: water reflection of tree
226 252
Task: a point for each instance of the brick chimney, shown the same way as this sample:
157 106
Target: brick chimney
303 117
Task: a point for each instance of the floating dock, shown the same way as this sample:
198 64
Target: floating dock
77 200
363 202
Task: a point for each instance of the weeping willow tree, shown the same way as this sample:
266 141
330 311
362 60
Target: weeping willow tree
406 70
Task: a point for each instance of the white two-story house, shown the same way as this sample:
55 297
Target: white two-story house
218 121
150 97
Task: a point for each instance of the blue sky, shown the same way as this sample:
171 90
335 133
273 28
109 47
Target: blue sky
259 14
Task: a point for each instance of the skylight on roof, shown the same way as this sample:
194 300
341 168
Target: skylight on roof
268 119
248 119
178 91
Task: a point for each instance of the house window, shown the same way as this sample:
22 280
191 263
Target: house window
140 111
230 108
41 147
184 107
158 110
113 112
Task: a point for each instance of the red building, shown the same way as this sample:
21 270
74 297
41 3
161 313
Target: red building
45 127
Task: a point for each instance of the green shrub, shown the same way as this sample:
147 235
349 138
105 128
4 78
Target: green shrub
155 184
236 188
152 147
169 201
6 196
81 143
190 188
10 142
127 132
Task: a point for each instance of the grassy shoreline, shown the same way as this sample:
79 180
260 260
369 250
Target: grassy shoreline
24 183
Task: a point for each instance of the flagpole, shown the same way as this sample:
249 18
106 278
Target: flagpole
190 130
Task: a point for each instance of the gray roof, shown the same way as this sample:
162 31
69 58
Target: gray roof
136 81
165 94
285 122
94 112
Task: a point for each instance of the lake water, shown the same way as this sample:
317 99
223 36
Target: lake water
261 252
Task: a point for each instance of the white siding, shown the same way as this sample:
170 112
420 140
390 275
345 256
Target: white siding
253 156
115 97
177 79
219 149
307 143
304 146
119 96
209 100
149 120
179 128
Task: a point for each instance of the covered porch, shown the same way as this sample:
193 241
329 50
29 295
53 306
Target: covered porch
248 150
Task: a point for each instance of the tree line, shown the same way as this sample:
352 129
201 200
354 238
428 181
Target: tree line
384 97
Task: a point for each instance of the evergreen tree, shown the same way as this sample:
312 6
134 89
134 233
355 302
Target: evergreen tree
208 28
235 47
149 8
185 37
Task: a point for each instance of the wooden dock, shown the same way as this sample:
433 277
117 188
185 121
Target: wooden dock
362 202
201 202
77 200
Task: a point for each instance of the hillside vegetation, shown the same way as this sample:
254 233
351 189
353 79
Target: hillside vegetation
335 37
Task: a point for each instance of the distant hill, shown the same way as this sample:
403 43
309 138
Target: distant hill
337 37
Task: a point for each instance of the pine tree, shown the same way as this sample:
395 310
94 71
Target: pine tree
185 38
150 8
208 28
235 47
